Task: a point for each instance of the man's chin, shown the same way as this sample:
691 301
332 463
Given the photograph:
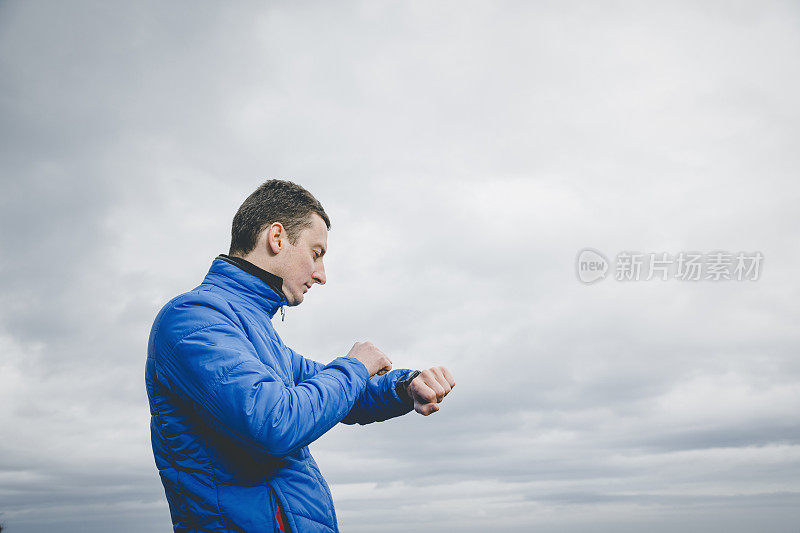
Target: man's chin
295 300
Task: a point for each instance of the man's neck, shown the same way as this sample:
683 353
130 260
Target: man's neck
275 282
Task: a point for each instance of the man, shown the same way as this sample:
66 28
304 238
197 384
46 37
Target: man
233 408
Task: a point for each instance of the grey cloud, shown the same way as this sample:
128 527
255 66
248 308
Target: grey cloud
465 154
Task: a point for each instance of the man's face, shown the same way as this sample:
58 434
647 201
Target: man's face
302 263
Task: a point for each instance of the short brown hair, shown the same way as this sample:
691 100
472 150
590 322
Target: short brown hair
274 201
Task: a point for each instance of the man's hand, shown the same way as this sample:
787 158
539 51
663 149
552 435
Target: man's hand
375 360
429 388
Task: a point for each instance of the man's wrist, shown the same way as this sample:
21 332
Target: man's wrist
402 385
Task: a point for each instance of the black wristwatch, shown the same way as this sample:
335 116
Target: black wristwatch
402 384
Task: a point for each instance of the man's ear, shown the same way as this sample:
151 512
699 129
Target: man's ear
276 237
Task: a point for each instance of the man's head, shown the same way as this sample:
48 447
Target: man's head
283 229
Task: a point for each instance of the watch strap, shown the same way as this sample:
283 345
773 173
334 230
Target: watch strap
402 384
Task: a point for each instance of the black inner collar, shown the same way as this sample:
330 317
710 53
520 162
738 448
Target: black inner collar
275 282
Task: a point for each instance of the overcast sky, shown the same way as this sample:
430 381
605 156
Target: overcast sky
465 152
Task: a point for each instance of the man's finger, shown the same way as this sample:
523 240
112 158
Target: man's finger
448 376
422 393
427 409
433 383
437 372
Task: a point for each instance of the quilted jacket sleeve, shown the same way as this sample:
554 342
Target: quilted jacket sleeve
378 401
215 366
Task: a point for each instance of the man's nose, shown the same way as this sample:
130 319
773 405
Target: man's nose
319 275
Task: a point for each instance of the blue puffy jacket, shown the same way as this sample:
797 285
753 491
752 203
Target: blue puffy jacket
234 409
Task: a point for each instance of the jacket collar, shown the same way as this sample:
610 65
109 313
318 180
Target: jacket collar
246 279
